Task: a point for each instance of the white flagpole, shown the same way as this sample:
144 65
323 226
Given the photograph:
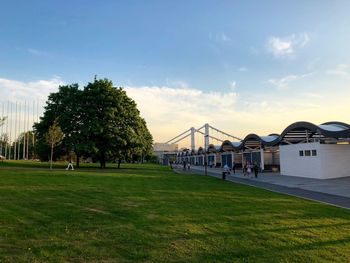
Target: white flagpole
11 122
19 132
28 128
7 127
15 134
24 128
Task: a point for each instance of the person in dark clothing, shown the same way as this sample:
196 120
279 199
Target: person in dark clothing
256 169
185 166
233 168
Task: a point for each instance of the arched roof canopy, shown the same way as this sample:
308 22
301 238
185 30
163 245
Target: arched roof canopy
213 148
302 131
254 141
200 150
227 146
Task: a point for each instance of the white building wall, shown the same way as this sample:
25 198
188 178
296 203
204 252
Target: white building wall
335 160
332 160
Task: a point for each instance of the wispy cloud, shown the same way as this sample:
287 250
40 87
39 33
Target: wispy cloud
38 53
177 83
342 70
242 69
220 37
283 83
284 47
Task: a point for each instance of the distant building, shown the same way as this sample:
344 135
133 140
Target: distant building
302 149
166 152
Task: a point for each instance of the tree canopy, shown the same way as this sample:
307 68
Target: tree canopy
99 121
53 138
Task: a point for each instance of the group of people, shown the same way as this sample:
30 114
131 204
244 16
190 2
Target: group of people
248 168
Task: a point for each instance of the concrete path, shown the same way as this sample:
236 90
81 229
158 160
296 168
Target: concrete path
332 191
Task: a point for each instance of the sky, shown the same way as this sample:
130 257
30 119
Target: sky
242 66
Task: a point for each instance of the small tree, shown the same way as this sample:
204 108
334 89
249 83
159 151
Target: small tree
53 138
2 121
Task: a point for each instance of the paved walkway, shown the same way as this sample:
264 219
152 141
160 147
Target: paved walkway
331 191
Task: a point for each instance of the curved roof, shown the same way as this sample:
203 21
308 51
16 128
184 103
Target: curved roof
295 133
213 148
200 150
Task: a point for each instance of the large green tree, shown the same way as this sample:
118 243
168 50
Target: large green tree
100 121
112 122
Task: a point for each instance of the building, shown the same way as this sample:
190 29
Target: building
166 152
302 149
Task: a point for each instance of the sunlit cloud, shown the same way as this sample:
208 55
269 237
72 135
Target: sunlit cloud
169 111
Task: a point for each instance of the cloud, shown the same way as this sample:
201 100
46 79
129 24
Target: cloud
14 90
282 47
170 111
22 93
283 83
220 37
342 70
38 53
177 83
242 69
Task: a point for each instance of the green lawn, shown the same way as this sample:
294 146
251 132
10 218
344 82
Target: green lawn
146 213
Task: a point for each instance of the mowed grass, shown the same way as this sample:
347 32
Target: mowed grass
147 213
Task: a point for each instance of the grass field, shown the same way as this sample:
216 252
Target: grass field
146 213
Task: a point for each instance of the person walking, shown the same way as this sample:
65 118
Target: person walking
256 169
234 168
184 164
226 171
70 164
249 169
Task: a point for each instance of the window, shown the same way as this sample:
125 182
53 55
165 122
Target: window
307 153
301 153
314 152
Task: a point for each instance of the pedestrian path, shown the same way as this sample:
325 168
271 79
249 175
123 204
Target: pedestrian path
332 191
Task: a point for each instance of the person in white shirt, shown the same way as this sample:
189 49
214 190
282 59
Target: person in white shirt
70 164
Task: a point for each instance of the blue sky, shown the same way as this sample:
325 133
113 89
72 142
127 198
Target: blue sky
260 51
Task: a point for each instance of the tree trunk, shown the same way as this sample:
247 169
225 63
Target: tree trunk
51 156
103 161
78 161
119 162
